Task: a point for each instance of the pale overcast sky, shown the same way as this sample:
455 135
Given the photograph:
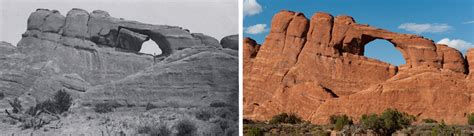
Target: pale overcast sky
216 18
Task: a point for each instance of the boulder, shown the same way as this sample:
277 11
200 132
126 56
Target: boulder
37 18
231 42
76 24
207 40
53 22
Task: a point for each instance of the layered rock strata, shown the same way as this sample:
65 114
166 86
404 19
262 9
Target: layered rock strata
316 68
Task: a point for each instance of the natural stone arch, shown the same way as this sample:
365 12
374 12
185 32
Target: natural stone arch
366 39
416 50
138 37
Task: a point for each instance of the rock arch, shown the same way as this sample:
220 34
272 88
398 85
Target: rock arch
351 38
141 36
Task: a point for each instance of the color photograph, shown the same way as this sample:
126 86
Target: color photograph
361 67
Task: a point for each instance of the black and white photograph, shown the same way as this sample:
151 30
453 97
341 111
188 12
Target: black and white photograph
119 68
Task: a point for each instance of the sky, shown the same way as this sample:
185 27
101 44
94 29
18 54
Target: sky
449 22
216 18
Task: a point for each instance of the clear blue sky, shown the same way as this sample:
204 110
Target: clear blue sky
433 19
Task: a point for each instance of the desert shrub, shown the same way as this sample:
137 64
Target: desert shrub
48 106
186 128
154 130
34 123
203 115
371 122
470 119
254 131
60 103
285 118
442 129
339 121
103 107
33 116
429 120
63 101
150 106
16 105
388 122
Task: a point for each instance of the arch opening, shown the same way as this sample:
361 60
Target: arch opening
150 47
384 51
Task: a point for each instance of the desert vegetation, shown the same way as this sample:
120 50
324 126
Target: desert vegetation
285 118
389 122
186 128
154 129
339 121
470 119
42 113
105 107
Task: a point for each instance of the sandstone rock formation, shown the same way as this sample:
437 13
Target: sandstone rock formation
95 57
316 68
231 41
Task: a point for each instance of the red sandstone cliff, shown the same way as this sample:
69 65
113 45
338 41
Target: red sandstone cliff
316 68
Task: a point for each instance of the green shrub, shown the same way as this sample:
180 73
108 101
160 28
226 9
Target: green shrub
16 105
186 128
429 120
285 118
470 119
442 130
254 131
387 123
339 121
371 122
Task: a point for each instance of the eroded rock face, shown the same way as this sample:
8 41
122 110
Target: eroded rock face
470 61
95 58
231 42
207 40
6 48
318 64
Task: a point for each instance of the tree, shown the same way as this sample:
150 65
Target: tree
339 121
470 119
